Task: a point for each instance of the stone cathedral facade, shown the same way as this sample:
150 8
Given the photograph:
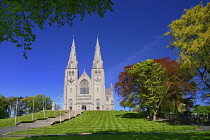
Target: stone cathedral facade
84 92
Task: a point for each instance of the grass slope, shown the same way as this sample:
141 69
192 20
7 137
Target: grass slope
39 115
198 135
106 122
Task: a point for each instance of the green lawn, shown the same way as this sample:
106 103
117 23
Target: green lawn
198 135
106 122
11 121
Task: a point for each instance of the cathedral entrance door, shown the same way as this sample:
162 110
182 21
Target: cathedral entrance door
83 107
98 108
70 108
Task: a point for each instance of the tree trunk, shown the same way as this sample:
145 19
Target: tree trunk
154 116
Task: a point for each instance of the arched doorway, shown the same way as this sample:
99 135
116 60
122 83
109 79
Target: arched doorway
84 107
98 104
70 104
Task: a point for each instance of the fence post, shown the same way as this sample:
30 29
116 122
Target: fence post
69 115
163 128
140 128
12 131
45 130
174 128
75 130
194 129
28 132
128 128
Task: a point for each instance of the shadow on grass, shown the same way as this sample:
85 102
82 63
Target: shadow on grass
202 135
133 115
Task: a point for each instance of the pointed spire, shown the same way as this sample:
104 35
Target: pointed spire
111 86
97 62
97 42
72 63
73 44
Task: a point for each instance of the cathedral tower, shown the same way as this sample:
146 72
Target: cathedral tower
85 93
97 75
71 77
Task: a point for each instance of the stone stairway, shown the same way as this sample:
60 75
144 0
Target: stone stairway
51 121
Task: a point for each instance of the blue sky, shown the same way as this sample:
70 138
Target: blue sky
133 32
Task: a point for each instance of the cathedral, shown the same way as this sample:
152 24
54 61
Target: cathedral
84 92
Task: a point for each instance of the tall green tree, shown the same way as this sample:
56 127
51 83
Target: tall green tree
3 107
149 83
190 36
19 17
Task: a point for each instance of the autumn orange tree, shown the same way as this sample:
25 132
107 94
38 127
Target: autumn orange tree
176 82
179 84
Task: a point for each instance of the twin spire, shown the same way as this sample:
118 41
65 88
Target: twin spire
97 62
73 63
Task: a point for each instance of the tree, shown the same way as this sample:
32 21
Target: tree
190 35
123 87
40 102
12 101
174 84
43 102
19 17
202 109
149 83
3 107
179 83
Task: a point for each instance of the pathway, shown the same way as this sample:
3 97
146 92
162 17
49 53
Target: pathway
38 123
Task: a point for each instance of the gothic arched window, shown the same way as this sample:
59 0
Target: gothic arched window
70 103
84 87
97 102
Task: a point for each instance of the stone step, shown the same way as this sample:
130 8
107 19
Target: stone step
50 121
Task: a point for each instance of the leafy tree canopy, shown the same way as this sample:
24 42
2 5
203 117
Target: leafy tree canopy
24 106
190 35
18 17
3 107
149 83
158 85
39 101
202 109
